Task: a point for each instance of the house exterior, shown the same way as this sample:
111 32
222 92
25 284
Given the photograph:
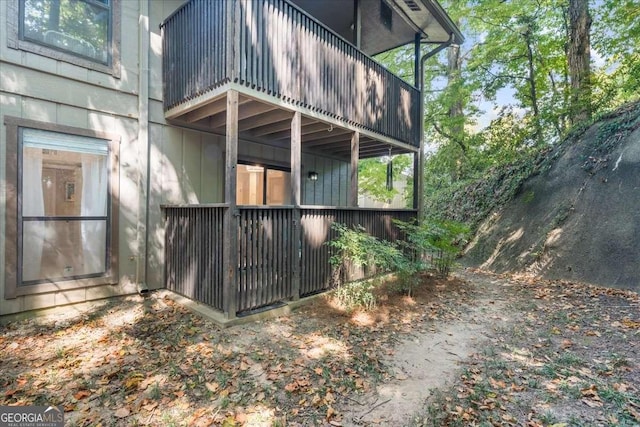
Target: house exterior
202 146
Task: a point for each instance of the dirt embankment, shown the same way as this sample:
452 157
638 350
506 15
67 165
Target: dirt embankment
579 218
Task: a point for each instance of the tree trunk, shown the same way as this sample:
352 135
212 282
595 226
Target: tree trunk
579 58
454 64
533 90
456 107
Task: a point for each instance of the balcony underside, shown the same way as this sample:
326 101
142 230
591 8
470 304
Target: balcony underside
268 121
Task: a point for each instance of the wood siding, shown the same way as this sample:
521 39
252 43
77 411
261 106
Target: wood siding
271 46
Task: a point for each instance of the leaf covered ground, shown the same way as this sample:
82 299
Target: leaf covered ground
557 354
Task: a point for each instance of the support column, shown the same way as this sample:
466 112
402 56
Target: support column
296 197
418 182
417 157
355 155
357 23
296 158
230 250
416 60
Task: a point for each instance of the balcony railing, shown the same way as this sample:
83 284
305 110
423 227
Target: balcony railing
273 260
271 46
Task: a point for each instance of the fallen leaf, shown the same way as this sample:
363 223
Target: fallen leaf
82 394
150 406
330 412
122 412
635 414
592 403
497 384
291 387
621 387
212 387
566 343
329 398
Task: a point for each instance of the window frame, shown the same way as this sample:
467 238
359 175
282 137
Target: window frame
13 231
14 41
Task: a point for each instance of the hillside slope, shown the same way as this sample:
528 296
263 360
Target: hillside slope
579 217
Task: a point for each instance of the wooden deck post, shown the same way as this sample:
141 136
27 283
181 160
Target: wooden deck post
296 177
355 154
230 249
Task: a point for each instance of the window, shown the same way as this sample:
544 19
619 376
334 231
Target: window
259 185
83 32
64 228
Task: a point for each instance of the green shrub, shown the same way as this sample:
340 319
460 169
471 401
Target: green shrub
354 246
357 295
433 244
430 245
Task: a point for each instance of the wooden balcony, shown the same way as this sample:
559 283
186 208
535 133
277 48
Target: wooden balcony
280 59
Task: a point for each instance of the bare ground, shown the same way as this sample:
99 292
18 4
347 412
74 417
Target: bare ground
476 349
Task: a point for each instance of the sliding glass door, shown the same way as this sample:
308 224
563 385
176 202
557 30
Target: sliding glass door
263 185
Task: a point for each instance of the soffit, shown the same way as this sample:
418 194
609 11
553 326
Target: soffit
385 24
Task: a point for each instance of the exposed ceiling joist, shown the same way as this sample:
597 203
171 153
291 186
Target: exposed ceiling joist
345 137
208 110
245 111
311 127
267 119
281 130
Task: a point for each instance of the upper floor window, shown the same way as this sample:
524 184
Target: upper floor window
81 32
79 27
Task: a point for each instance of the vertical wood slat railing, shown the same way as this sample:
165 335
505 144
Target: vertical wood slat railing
195 49
316 270
193 252
265 253
274 47
266 245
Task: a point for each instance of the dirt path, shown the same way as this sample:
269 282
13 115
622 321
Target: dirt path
429 358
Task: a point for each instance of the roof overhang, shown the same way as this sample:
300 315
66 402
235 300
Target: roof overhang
410 17
384 24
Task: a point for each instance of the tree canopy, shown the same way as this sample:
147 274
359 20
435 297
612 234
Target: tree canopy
528 72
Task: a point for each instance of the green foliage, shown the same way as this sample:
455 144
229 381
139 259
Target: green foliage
358 248
372 176
513 65
356 295
431 245
470 201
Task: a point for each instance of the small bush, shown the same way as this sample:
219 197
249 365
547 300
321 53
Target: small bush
431 245
355 247
356 295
